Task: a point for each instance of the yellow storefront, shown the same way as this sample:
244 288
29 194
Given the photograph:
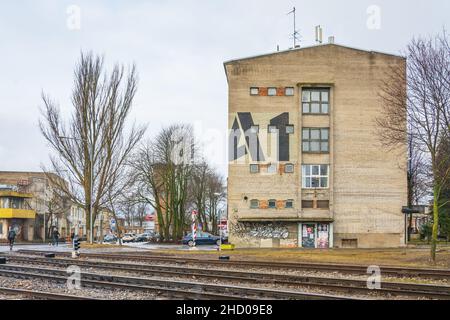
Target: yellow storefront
16 212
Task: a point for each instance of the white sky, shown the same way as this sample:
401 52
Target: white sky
179 48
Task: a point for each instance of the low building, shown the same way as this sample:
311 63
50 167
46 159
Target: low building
16 213
27 202
37 187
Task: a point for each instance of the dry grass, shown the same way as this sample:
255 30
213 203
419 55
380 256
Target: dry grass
412 257
98 246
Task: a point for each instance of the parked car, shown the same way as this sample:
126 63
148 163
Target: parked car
110 238
129 237
143 237
201 238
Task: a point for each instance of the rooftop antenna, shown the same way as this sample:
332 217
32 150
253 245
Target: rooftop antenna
296 34
318 34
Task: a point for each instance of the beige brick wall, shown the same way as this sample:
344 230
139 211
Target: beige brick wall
367 183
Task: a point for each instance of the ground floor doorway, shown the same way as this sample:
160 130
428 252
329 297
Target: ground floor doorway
315 235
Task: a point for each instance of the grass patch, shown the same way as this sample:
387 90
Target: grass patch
98 245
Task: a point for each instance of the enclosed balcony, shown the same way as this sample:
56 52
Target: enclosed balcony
14 205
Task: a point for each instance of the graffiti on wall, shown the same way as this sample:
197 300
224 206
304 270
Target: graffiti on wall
260 230
242 124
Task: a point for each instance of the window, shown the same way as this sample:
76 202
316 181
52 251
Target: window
315 176
315 140
315 100
289 91
289 168
272 91
272 168
307 204
254 204
254 168
272 129
323 204
289 128
254 91
289 204
254 129
272 203
1 228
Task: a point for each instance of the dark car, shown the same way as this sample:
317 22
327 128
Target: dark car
144 237
110 238
201 238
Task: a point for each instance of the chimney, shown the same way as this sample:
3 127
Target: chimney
331 40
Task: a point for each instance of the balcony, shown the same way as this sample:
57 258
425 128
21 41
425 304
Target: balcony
9 213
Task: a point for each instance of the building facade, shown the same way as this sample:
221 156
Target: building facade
306 166
31 189
27 199
16 213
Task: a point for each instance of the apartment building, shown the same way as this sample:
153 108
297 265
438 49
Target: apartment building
306 166
26 200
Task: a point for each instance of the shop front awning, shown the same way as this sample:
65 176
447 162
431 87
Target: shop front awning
280 219
9 213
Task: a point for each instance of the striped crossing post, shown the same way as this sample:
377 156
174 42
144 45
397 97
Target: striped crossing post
75 247
194 226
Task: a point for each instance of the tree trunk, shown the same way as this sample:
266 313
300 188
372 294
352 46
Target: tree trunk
434 233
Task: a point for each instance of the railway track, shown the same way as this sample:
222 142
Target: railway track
41 294
348 286
171 288
399 272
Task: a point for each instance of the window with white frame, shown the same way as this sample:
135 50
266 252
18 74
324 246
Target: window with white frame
288 168
272 168
315 140
254 204
289 204
254 129
289 128
315 176
289 91
272 129
254 168
254 91
272 203
315 100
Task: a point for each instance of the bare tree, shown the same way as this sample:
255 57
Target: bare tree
58 206
162 170
207 192
216 196
96 130
416 103
198 192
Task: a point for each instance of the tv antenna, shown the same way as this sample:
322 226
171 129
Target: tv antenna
296 35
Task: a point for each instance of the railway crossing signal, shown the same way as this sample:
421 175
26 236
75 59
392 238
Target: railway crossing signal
76 247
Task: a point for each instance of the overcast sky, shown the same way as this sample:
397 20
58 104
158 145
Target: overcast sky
179 48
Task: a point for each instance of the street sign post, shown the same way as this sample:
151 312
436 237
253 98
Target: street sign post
194 226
